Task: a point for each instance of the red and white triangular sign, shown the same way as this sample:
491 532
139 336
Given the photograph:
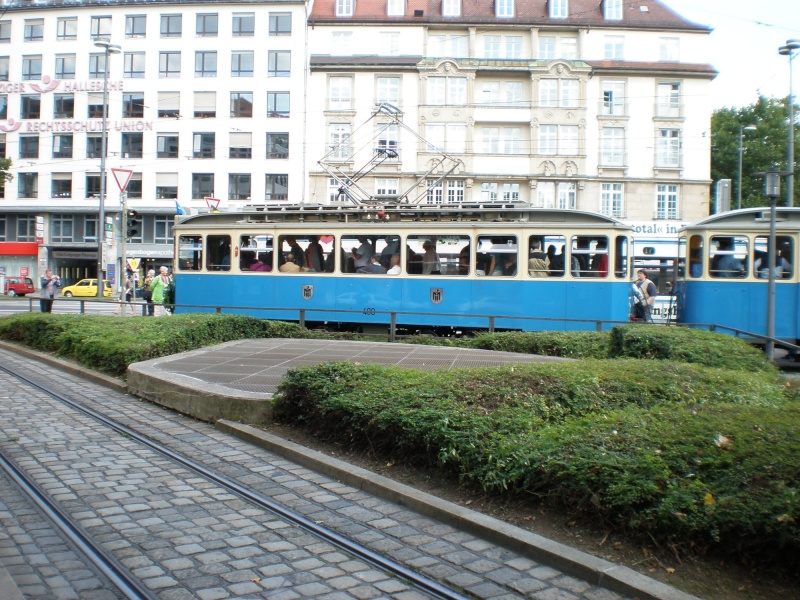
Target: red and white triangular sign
122 177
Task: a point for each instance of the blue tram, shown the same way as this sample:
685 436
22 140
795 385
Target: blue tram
434 267
723 271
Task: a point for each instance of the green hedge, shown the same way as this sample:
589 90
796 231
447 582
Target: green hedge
110 344
682 453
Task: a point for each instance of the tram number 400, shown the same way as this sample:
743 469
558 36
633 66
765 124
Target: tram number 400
369 311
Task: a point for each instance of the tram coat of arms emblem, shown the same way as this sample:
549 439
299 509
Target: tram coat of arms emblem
437 295
308 292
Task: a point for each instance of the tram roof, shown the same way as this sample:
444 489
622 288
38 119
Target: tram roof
749 218
393 214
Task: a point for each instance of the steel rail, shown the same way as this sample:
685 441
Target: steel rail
386 564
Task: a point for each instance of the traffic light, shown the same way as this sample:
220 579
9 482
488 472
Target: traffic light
134 224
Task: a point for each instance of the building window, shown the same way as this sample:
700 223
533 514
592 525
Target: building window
132 145
26 228
94 105
62 145
205 63
613 47
101 28
205 105
240 145
29 146
239 186
612 10
387 140
667 201
612 200
395 8
513 46
244 24
504 8
559 9
241 104
166 186
510 192
276 187
342 40
90 229
28 185
171 25
202 185
454 46
613 98
97 66
340 95
450 137
169 104
133 65
278 104
133 105
668 100
167 145
30 106
339 135
279 63
388 90
551 194
277 145
242 64
4 61
134 188
34 30
61 185
447 91
135 26
3 116
61 228
386 187
94 145
31 68
612 152
668 148
450 190
668 49
451 8
280 24
552 47
163 229
548 139
344 8
568 144
389 43
203 145
570 93
488 192
169 64
491 46
66 28
65 66
548 93
207 25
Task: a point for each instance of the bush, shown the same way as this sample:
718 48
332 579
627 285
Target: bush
600 437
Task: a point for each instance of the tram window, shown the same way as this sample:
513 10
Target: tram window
728 255
190 252
681 260
306 253
621 257
433 254
696 256
496 256
589 257
783 265
256 253
218 256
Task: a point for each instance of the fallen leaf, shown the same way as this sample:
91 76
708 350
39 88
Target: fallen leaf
708 499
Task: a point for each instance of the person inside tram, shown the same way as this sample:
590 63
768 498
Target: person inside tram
431 265
555 261
394 268
290 266
581 253
296 251
538 263
463 261
724 263
599 265
509 264
761 265
372 267
362 254
315 256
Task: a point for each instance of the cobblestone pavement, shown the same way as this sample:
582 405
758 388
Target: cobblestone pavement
186 537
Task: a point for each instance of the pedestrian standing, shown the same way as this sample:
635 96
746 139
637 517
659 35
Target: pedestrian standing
50 285
649 293
159 288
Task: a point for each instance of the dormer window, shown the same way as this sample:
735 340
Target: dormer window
504 8
451 8
395 8
559 9
612 10
344 8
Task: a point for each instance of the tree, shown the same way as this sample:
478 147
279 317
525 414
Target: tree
5 165
762 149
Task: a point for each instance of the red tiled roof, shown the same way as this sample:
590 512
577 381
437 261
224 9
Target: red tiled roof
582 13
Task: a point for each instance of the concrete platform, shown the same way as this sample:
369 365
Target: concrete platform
235 381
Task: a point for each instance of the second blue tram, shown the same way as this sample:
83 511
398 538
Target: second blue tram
433 266
723 271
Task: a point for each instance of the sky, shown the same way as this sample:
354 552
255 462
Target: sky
744 46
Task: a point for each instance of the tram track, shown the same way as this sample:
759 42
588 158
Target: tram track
127 584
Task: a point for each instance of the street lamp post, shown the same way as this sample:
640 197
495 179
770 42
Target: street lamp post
108 48
742 129
790 50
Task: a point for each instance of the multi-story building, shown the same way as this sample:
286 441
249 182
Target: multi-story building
578 104
596 105
205 99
